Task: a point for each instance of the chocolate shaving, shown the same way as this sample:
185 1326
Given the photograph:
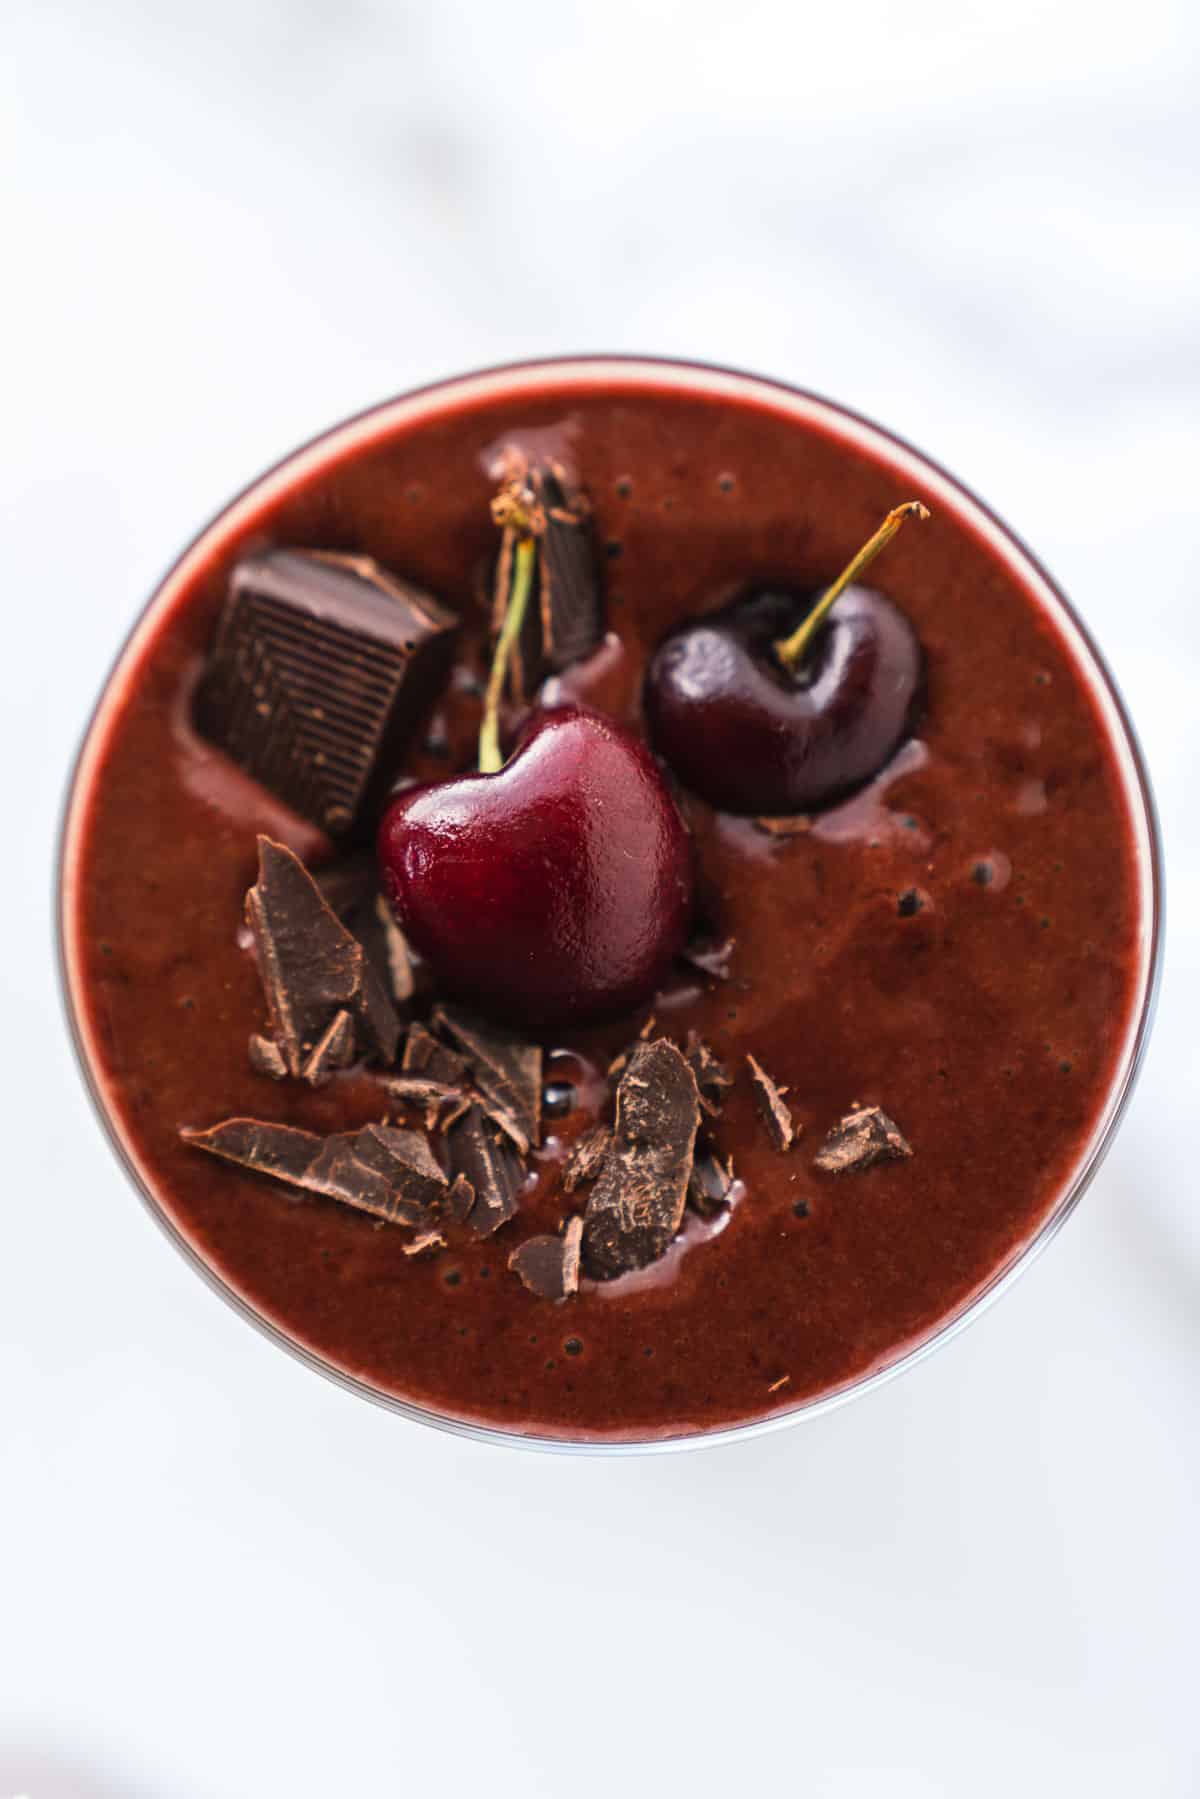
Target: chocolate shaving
775 1115
636 1205
549 1266
862 1138
426 1241
710 955
335 1049
387 1173
323 668
460 1197
424 1055
711 1184
479 1151
506 1069
310 965
587 1156
792 825
713 1078
266 1057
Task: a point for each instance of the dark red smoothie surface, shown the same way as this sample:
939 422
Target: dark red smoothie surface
991 1023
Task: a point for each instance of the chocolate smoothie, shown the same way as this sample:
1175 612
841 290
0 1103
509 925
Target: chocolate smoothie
956 956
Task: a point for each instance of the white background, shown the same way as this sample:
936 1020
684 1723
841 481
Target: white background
230 224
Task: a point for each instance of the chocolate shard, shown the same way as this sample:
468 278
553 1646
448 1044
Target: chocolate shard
334 1049
711 1184
480 1152
587 1156
567 620
460 1197
710 955
350 887
431 1096
266 1057
636 1205
424 1055
862 1138
274 1149
549 1266
769 1099
387 1173
322 669
506 1069
713 1079
310 965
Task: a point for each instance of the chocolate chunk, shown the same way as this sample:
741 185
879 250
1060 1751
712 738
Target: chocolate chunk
710 955
506 1069
350 887
480 1152
775 1115
334 1049
863 1137
266 1057
711 1184
567 620
587 1156
311 967
713 1079
549 1266
424 1055
274 1149
431 1096
388 1173
636 1205
322 669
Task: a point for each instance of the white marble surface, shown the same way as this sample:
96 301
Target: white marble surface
228 225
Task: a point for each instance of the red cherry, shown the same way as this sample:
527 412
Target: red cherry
785 702
554 891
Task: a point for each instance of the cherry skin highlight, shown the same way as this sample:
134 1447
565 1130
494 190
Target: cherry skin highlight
556 891
750 735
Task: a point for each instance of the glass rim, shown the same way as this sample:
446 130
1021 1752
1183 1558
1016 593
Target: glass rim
801 404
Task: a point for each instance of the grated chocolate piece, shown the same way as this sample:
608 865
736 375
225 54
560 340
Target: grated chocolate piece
311 967
710 955
769 1098
587 1156
506 1069
334 1049
431 1096
480 1152
322 669
713 1078
426 1241
636 1205
549 1266
862 1138
266 1057
711 1184
424 1055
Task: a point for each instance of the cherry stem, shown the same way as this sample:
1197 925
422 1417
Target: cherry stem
524 554
791 650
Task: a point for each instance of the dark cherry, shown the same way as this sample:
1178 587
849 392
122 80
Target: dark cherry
759 712
555 890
